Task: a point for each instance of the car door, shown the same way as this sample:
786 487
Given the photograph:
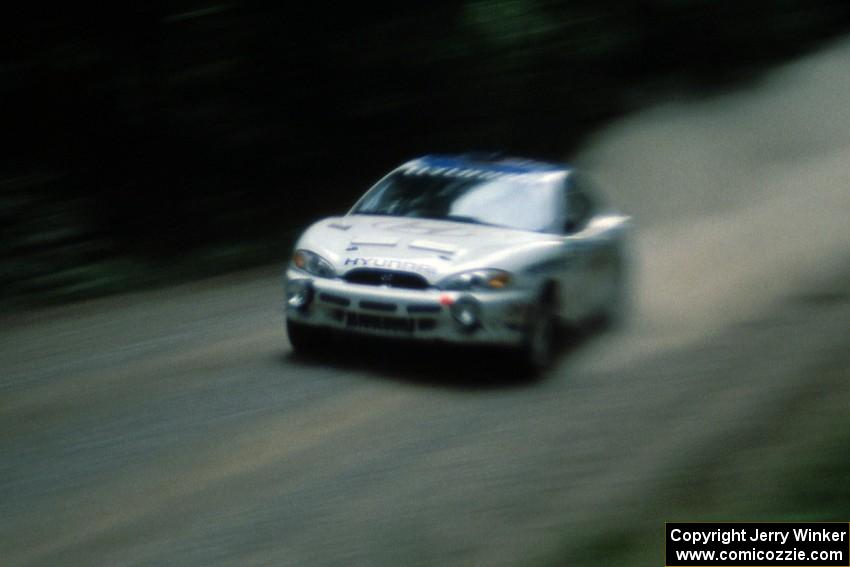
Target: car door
596 233
578 249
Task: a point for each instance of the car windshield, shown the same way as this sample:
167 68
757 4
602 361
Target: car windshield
526 201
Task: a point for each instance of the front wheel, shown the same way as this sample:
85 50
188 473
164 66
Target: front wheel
539 345
305 339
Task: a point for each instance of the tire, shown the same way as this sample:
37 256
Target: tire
540 344
306 339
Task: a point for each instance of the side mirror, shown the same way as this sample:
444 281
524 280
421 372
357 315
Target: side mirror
572 225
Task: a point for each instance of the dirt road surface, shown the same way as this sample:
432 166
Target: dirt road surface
175 427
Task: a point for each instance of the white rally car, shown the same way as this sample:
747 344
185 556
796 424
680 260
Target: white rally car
463 250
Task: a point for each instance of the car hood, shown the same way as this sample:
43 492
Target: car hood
432 248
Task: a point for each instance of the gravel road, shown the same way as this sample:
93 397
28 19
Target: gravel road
175 427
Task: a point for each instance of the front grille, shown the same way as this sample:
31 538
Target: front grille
389 278
354 320
377 306
335 299
424 308
378 322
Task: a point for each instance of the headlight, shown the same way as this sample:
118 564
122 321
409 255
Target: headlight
477 280
313 264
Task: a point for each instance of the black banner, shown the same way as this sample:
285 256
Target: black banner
767 544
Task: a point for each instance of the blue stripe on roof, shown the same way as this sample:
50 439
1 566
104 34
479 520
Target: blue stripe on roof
501 165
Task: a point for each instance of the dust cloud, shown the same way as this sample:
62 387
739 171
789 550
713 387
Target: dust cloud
738 201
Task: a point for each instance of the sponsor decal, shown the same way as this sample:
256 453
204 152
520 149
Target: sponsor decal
416 169
388 264
506 172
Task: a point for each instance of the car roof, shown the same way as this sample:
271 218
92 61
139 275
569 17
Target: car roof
487 162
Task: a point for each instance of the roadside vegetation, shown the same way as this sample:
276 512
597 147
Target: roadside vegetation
162 141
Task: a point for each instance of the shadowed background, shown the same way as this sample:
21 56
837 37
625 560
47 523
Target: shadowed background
162 140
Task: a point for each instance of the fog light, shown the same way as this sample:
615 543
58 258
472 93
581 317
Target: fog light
467 314
299 294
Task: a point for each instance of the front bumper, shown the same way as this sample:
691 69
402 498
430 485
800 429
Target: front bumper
425 315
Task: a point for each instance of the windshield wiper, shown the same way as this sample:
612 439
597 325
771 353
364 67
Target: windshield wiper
470 220
375 213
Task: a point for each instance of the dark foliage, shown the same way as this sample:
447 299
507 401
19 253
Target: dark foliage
144 134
